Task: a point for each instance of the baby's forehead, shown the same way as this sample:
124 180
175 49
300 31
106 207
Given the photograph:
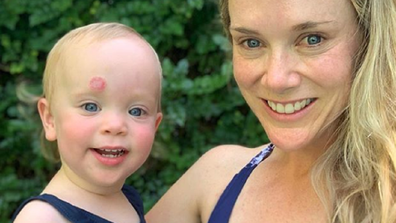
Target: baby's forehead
97 84
75 61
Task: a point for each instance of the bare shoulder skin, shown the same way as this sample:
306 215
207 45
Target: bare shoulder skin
279 192
39 211
192 198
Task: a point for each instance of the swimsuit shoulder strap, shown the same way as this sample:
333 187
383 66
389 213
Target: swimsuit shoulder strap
222 211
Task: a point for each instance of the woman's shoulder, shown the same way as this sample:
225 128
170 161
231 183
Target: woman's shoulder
228 157
39 211
195 194
218 164
216 168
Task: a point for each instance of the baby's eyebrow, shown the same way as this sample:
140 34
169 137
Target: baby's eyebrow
97 84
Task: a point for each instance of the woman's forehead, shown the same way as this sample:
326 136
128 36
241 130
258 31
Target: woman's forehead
288 12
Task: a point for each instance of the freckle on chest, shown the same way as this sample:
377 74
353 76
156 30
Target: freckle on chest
97 84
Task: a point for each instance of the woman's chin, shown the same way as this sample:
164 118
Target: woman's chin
291 141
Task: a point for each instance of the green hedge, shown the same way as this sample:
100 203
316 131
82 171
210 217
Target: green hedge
201 103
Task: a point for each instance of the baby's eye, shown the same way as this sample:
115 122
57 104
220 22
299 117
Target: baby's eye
136 112
252 43
90 107
313 39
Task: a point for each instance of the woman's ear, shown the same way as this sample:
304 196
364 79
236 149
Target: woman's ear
47 119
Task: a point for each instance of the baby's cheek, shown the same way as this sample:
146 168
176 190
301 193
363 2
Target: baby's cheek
144 138
76 127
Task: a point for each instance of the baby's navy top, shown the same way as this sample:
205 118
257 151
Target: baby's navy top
75 214
222 211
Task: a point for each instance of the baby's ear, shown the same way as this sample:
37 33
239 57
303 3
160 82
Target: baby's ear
47 119
158 120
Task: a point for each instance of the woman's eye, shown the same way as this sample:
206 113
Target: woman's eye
313 39
136 111
91 107
252 43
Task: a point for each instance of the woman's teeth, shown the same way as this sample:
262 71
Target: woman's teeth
290 107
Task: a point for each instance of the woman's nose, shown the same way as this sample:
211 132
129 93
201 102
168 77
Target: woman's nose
281 71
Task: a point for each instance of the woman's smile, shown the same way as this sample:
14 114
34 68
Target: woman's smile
289 107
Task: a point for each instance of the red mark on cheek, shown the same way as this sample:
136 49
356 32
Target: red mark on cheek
97 84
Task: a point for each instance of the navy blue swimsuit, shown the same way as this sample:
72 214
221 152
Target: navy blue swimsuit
76 214
222 211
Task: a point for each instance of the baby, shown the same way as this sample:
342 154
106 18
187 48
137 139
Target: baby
101 104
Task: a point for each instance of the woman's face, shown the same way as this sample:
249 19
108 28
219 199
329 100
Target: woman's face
293 61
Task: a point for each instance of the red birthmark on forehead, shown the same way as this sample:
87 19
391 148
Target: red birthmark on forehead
97 84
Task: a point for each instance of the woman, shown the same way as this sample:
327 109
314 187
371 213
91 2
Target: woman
320 77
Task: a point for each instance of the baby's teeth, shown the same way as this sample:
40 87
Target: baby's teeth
110 155
111 150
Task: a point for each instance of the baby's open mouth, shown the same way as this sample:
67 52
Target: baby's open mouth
110 153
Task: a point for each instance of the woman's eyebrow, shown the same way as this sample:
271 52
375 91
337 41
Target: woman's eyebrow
308 25
244 30
298 27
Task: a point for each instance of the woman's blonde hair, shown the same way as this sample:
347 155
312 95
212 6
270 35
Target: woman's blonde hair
356 177
90 33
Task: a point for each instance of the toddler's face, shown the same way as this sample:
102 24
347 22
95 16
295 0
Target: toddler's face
105 110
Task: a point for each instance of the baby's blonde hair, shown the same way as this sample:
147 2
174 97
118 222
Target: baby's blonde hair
90 33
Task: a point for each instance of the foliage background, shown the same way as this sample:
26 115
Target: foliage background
201 103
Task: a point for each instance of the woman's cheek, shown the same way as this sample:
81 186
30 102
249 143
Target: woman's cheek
246 71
